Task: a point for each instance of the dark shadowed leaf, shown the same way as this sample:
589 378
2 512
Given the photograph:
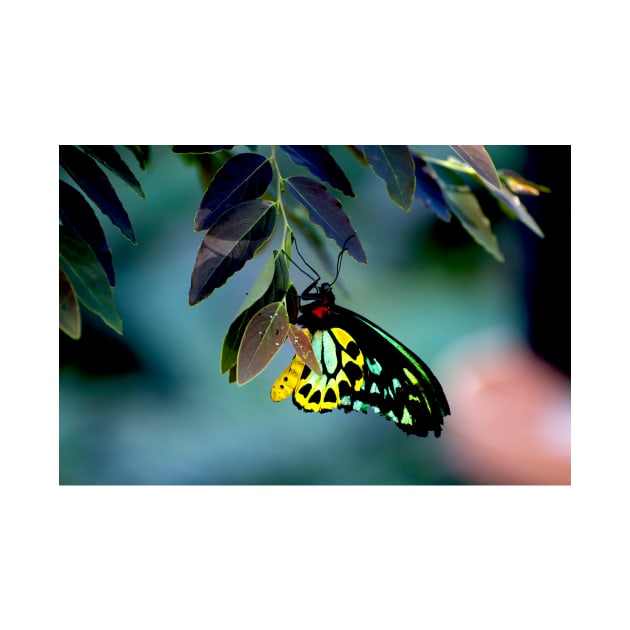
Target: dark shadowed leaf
229 244
88 279
69 314
109 157
293 303
264 336
395 165
178 148
275 291
301 343
428 190
325 210
85 172
244 177
477 156
78 217
464 205
141 152
232 374
317 160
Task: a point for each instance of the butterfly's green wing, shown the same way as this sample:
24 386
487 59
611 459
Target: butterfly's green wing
363 366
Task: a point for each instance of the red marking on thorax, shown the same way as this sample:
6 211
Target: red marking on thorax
321 311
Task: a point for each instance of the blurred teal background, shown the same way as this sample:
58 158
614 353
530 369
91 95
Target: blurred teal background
152 407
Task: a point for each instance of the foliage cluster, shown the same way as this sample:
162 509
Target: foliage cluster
246 201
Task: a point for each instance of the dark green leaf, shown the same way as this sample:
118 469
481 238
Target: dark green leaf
141 151
428 190
395 165
264 336
244 177
229 244
293 303
202 149
78 216
88 278
69 314
317 160
464 205
303 348
275 291
477 156
85 172
325 210
232 374
109 157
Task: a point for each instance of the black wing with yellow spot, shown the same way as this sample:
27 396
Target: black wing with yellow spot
362 367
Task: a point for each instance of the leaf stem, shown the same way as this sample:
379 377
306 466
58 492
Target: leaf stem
279 188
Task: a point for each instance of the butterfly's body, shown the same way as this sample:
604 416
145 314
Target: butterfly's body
362 366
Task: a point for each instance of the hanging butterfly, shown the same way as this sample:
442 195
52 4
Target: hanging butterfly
362 366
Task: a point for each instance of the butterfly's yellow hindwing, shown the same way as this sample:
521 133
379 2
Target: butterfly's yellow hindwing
285 384
342 373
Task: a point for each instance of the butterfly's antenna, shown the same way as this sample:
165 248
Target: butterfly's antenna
343 249
317 276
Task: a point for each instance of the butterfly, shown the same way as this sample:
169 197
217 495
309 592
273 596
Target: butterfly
362 366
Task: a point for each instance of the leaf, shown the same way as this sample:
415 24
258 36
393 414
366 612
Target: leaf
514 208
202 149
232 374
325 210
319 161
292 301
395 165
141 152
264 336
78 216
519 185
88 278
358 154
275 291
262 283
229 244
96 186
244 177
109 157
301 343
464 205
477 156
428 190
69 314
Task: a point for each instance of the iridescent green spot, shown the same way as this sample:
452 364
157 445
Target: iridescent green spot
329 353
374 366
406 418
